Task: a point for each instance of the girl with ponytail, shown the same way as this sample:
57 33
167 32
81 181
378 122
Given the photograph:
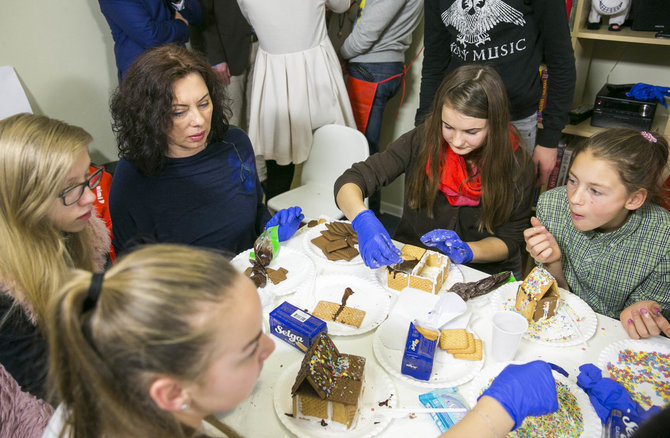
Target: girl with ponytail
168 336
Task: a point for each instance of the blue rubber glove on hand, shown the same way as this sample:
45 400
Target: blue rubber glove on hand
374 242
449 243
607 394
525 390
288 221
642 91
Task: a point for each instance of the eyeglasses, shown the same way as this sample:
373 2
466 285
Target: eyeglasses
74 193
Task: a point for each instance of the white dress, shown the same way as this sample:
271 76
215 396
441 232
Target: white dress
297 83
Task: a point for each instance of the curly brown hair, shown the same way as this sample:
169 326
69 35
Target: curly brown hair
141 106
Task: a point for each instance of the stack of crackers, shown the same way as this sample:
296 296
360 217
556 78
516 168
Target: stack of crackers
337 241
461 344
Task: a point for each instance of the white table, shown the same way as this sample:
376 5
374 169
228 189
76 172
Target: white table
256 416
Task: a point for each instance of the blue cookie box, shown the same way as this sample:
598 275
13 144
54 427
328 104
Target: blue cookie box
620 425
294 326
417 361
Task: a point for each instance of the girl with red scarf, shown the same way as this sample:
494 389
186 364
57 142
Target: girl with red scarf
468 186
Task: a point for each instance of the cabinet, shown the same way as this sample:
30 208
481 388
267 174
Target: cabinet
589 44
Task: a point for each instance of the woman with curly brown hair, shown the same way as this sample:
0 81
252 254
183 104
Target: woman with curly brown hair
184 176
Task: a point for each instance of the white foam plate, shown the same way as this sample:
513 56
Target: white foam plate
301 271
455 276
378 388
389 344
558 330
367 296
652 385
318 255
592 425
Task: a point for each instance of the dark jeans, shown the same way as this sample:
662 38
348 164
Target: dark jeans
375 72
279 178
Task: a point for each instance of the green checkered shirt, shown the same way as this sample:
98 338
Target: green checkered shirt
611 271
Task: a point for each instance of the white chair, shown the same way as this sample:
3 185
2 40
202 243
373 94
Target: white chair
334 149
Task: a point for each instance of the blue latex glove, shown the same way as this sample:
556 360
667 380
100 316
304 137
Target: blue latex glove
449 243
641 91
607 394
288 221
374 242
521 399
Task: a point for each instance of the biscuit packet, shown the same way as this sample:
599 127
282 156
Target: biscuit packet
444 398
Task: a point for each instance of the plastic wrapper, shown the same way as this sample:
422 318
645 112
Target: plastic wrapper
266 247
444 398
475 289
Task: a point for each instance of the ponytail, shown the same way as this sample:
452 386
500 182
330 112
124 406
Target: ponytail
106 352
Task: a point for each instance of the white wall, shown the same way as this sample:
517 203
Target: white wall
62 52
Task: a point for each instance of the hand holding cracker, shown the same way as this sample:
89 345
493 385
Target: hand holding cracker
374 242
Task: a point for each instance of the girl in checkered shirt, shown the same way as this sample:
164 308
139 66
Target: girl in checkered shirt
603 235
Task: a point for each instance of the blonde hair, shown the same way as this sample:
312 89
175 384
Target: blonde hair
36 155
146 323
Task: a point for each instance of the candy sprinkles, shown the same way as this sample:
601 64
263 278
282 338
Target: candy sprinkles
643 373
567 421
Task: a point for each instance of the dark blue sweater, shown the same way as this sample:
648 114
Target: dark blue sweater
139 24
212 199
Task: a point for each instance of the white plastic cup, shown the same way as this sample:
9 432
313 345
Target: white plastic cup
508 327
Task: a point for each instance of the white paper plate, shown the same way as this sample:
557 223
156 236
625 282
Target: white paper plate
447 371
591 421
367 296
652 381
455 276
301 271
558 330
316 253
378 388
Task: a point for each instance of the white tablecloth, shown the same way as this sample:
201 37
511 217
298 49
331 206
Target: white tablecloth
256 416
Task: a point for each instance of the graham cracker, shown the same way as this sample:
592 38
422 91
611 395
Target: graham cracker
431 335
349 316
453 339
476 355
336 244
276 276
469 348
411 252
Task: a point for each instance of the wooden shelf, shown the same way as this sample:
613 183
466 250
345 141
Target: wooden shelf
625 35
585 129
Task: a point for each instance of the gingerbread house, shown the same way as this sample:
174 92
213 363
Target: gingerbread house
538 295
329 383
421 269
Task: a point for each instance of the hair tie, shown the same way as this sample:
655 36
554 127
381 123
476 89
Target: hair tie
648 136
94 290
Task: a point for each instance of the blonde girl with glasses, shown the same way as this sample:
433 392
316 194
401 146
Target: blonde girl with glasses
167 337
47 225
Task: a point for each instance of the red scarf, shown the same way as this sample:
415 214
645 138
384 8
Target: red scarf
454 182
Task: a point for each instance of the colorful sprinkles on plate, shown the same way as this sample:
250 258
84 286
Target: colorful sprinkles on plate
645 374
567 421
558 328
